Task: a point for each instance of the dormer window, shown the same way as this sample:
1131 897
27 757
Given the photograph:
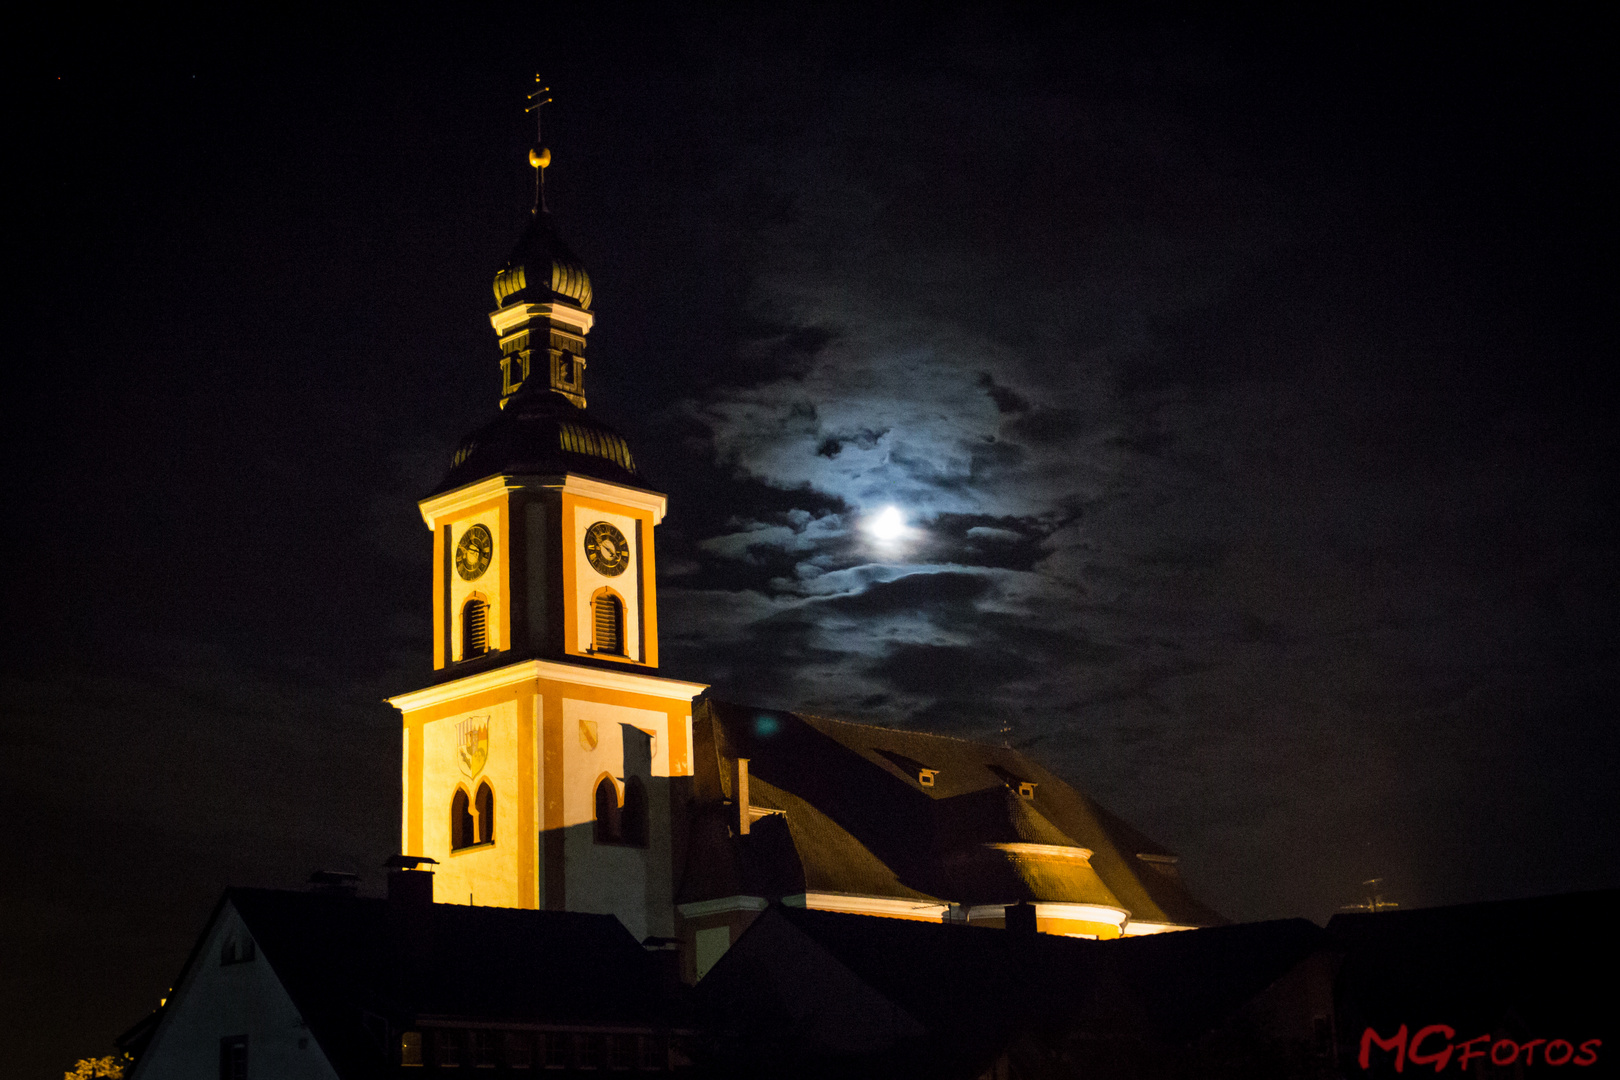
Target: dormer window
1027 790
925 777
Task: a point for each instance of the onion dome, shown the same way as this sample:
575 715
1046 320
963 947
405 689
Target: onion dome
539 433
542 269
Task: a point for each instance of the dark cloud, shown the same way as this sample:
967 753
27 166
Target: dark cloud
956 672
914 592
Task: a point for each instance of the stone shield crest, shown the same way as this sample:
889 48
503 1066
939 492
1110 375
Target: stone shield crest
472 745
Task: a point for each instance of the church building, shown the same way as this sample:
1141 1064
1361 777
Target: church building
550 763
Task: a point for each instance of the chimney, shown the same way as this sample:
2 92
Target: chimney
739 795
410 888
1020 918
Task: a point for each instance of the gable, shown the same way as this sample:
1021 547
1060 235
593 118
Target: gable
228 990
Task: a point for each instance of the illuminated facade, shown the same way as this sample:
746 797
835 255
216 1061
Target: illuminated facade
545 640
550 765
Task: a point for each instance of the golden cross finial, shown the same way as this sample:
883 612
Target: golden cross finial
539 153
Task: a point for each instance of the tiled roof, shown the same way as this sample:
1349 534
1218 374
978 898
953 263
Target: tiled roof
949 997
861 820
342 957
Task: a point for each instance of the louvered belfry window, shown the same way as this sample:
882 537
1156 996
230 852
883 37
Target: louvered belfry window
474 629
609 625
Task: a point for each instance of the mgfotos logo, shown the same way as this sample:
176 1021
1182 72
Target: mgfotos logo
1435 1045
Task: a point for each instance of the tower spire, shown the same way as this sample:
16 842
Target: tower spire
543 293
539 153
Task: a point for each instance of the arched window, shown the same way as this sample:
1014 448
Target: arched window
462 831
633 817
607 812
609 615
485 805
474 629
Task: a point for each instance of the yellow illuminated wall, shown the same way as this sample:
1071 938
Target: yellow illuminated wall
554 730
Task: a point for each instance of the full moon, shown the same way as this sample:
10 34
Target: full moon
888 525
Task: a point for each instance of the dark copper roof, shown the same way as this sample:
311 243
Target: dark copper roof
541 433
541 268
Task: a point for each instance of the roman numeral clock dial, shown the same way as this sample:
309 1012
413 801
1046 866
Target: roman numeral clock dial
473 553
606 549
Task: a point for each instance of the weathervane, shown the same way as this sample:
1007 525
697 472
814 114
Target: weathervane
1375 901
539 153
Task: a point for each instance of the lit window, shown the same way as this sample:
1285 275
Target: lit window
410 1048
609 615
1027 790
925 777
474 629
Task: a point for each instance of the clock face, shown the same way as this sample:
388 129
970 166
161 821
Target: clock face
606 548
472 554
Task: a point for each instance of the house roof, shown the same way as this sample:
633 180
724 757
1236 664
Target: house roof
1524 965
342 957
950 996
859 819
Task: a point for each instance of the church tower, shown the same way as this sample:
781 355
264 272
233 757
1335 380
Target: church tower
541 762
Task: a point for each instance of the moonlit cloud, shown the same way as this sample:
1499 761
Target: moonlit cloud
1178 513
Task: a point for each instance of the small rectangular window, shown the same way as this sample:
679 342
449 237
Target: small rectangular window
236 951
233 1057
519 1049
591 1050
926 777
447 1045
556 1045
622 1052
485 1049
652 1053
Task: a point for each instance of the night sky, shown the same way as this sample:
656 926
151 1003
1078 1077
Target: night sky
1245 389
